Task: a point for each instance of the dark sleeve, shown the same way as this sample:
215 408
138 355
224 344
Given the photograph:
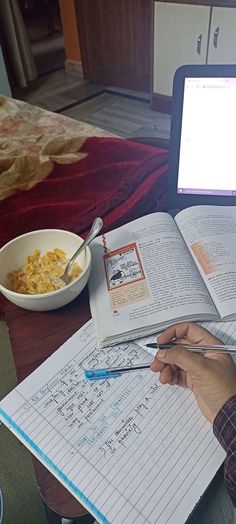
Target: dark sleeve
224 428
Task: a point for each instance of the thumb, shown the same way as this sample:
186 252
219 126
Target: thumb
187 360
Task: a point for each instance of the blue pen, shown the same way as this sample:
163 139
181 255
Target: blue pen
96 374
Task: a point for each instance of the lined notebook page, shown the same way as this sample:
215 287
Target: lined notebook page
129 449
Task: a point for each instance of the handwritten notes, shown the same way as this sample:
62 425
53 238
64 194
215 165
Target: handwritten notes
130 449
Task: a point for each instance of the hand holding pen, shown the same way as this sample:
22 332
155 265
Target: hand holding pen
211 375
105 373
199 362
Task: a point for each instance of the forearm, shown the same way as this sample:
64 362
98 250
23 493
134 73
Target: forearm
224 428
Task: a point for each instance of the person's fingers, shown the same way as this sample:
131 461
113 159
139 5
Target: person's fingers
175 376
189 361
172 375
190 332
166 375
157 366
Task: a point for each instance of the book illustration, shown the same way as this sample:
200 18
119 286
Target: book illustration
126 282
123 266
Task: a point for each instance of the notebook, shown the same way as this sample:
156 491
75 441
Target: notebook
129 449
202 139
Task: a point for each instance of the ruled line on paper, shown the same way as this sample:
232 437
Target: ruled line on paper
132 457
59 451
50 423
190 485
49 462
162 479
92 457
115 441
91 446
57 470
142 479
169 459
177 489
134 464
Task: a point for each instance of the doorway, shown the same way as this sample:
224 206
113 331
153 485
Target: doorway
44 28
115 39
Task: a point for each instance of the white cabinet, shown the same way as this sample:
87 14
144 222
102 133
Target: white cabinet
180 37
222 39
190 34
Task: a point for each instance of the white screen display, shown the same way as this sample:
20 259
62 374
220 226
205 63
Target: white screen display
207 162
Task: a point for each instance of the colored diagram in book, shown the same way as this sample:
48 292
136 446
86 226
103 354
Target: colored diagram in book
204 258
125 277
123 266
216 254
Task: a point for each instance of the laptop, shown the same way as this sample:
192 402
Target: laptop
202 161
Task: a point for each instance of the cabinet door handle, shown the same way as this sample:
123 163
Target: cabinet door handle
199 44
215 37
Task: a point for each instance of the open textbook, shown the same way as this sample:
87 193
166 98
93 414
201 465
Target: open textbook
130 449
158 270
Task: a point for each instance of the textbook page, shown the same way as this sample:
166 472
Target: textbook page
210 233
143 277
129 449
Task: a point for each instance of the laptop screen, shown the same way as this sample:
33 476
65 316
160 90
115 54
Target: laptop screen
208 137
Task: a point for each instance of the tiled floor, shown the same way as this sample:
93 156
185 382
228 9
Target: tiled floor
123 112
124 116
58 90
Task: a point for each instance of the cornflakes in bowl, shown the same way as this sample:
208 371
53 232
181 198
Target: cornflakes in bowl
41 273
31 266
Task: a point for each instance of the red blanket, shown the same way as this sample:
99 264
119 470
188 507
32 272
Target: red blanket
118 180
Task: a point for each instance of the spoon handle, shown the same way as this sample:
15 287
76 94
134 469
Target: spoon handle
96 227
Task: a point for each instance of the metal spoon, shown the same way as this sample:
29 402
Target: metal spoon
96 227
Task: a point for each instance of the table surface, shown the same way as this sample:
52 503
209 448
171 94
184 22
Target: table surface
34 337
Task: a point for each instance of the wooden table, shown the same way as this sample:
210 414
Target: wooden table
34 337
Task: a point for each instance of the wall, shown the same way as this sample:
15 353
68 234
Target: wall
70 31
4 84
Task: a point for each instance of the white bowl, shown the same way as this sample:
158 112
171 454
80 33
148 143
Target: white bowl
13 256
